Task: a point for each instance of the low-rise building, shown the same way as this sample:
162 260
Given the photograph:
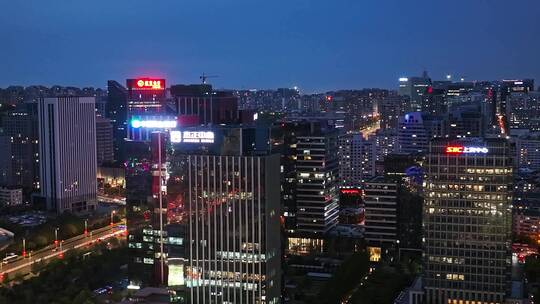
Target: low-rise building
10 196
526 223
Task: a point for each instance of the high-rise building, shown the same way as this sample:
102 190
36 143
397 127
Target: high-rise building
147 122
523 110
528 151
145 95
283 142
390 108
200 105
351 159
317 181
116 111
67 157
359 157
502 93
383 142
467 220
435 101
415 131
104 141
215 239
6 164
146 102
19 154
393 214
309 180
223 201
140 206
415 88
465 120
380 199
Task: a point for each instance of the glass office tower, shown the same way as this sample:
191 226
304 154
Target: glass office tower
467 221
223 217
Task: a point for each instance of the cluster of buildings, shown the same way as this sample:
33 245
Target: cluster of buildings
222 187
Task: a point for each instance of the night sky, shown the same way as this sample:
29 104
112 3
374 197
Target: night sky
314 44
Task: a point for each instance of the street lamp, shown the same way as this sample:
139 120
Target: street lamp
86 227
56 237
61 255
160 166
112 215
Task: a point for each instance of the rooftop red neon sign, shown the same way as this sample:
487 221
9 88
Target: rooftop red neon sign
350 191
147 84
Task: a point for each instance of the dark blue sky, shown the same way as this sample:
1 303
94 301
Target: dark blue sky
317 45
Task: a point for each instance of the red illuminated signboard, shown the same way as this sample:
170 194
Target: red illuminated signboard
454 149
147 84
350 191
466 150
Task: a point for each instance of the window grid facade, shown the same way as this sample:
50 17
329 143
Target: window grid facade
467 223
317 175
226 208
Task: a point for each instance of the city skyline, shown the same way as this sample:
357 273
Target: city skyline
315 46
300 152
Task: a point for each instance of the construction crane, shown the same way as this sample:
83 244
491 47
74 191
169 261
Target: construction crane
204 77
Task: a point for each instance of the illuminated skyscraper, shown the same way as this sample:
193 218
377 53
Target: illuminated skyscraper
223 199
214 237
467 221
145 95
317 182
145 102
351 159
